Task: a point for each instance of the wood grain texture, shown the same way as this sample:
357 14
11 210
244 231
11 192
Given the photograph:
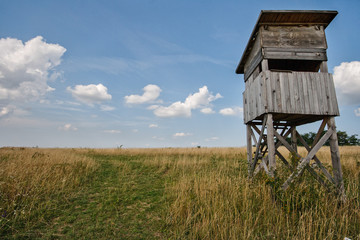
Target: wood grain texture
290 93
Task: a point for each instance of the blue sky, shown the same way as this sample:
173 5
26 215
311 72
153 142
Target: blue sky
151 73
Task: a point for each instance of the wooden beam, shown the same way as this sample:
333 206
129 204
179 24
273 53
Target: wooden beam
293 138
262 165
256 128
286 144
306 160
321 129
253 136
278 143
271 144
319 164
258 147
323 67
249 146
335 158
264 65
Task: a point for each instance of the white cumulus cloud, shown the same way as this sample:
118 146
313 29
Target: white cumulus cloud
153 125
177 109
151 93
231 111
207 111
347 82
201 99
90 94
26 68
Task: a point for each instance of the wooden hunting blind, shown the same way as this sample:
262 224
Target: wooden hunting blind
287 84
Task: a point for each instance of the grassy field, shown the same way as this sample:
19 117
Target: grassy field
166 194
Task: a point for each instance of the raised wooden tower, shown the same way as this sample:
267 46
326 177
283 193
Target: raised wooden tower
287 84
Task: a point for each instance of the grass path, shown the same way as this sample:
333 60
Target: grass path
117 204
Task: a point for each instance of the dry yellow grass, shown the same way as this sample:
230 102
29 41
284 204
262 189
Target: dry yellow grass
208 194
29 177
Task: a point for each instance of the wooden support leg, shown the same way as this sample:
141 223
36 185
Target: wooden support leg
271 145
249 147
335 158
294 138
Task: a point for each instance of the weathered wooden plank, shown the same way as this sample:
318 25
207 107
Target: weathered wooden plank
269 93
290 101
319 94
288 92
300 101
300 93
274 91
256 49
263 99
278 92
315 105
305 93
251 99
265 65
260 106
310 94
333 96
283 79
295 95
324 95
328 94
256 97
253 65
246 102
245 106
290 37
290 55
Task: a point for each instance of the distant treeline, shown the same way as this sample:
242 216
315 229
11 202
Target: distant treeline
343 138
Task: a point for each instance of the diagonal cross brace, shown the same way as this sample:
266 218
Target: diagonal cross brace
318 163
305 161
258 146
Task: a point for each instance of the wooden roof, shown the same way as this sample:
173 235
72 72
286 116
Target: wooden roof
285 18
